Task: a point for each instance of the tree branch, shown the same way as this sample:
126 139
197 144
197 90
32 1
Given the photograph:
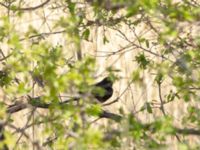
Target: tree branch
36 102
28 8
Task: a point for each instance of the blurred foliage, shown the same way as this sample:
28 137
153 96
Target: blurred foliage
30 61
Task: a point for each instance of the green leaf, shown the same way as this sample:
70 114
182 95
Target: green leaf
147 43
136 75
86 34
142 60
94 110
5 79
105 40
149 109
71 7
159 78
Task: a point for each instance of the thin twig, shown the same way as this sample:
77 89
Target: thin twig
28 8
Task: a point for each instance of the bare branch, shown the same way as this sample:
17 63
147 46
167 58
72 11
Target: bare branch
28 8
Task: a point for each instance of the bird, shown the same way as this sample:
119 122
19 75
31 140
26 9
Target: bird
103 90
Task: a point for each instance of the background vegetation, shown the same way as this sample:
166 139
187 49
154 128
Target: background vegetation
50 50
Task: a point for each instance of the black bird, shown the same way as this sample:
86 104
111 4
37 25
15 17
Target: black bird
103 90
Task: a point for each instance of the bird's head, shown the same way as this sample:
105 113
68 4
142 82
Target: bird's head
108 81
